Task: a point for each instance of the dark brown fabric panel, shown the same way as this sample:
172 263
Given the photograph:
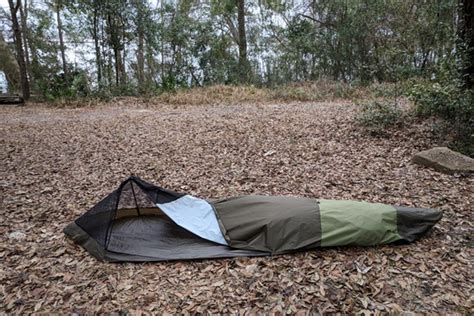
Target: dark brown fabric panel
275 224
412 223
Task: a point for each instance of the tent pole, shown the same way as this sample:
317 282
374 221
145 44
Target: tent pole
135 198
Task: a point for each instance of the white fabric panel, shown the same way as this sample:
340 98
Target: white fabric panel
195 215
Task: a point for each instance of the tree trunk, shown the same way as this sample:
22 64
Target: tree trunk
61 39
244 67
98 55
466 35
26 37
123 48
140 61
115 32
162 53
118 66
25 85
140 46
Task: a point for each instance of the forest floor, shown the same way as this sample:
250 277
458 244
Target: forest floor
57 163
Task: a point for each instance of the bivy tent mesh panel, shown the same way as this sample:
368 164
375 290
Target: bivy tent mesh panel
137 222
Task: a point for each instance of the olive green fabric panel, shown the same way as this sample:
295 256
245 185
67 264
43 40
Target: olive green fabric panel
275 224
357 223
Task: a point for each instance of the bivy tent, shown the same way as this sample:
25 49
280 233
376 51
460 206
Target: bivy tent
142 222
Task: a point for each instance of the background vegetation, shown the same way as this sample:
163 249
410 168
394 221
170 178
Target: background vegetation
68 49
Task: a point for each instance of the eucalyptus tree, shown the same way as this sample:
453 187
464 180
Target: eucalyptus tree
233 13
58 6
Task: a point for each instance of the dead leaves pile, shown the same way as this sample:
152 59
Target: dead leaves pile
56 163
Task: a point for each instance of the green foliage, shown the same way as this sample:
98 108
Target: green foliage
444 97
136 47
377 116
75 85
446 100
362 41
170 83
387 89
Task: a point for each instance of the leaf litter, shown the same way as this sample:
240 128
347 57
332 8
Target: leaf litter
57 163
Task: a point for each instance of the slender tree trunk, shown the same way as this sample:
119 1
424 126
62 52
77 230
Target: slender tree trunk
466 36
244 67
118 61
123 48
98 55
140 45
107 64
115 32
140 60
61 39
25 85
162 68
26 37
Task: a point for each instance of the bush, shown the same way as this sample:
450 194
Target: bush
376 116
57 86
449 102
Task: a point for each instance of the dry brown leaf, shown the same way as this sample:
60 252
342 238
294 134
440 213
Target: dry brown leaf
56 163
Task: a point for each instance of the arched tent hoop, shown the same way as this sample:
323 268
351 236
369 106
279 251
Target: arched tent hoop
114 212
135 199
190 213
152 192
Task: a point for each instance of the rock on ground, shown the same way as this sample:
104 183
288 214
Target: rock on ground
17 235
445 160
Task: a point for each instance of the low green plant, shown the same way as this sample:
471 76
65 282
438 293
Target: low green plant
377 116
59 86
446 100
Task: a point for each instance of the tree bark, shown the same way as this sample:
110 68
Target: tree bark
244 67
26 37
61 39
25 85
140 46
140 60
115 32
98 55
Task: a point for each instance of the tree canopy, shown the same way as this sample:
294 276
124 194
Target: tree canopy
80 47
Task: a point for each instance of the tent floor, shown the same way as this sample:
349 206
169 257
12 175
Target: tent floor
159 237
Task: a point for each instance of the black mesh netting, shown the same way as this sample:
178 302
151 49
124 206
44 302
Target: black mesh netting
134 197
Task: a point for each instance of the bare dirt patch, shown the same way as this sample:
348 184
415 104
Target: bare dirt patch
56 163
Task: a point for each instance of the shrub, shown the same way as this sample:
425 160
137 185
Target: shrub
377 116
449 102
58 86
